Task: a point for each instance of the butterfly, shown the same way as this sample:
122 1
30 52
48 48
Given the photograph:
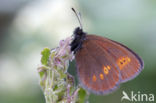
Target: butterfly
103 64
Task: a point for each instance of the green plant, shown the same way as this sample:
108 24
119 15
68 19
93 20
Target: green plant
57 84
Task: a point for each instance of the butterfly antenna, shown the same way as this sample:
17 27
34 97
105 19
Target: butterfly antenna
78 17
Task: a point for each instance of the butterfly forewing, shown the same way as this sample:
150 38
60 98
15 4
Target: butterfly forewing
128 62
97 73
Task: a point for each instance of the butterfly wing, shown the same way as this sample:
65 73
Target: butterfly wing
129 63
97 71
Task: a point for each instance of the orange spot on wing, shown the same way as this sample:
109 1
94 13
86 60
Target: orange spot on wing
101 76
128 59
94 78
108 67
122 61
105 70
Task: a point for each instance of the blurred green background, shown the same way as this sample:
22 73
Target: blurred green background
28 26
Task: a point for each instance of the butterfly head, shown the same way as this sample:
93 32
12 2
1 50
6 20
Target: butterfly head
78 32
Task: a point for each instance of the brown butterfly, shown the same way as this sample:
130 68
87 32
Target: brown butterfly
102 64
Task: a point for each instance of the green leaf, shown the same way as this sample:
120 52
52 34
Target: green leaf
41 74
81 96
42 70
45 56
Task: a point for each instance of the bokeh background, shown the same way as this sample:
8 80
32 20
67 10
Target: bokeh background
28 26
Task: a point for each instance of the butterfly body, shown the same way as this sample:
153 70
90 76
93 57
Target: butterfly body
79 37
102 64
